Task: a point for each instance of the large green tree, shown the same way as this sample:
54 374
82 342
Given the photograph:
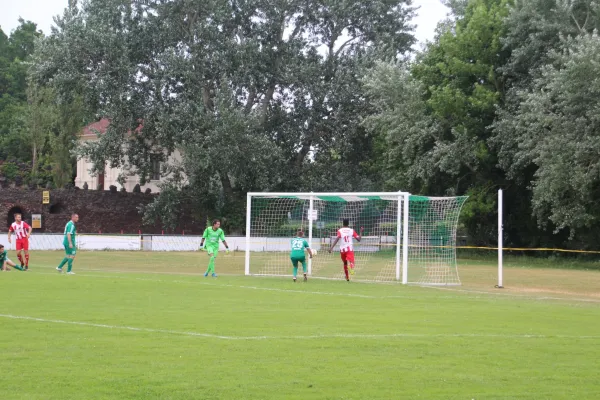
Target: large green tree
536 31
557 132
15 52
435 115
256 95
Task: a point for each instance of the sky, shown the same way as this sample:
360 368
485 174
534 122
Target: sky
42 11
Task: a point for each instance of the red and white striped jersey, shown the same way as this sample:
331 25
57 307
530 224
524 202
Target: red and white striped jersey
20 230
346 235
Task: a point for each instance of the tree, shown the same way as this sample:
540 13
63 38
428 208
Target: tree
435 119
557 130
70 120
38 120
15 51
405 129
534 27
269 84
535 32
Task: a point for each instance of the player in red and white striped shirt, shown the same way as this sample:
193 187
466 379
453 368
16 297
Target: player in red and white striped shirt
346 235
22 231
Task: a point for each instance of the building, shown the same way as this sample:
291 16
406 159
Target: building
111 175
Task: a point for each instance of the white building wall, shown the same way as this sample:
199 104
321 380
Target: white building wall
112 174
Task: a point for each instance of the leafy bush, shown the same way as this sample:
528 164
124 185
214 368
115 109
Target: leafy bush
10 170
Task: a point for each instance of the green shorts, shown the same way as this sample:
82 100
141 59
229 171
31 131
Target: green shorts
212 250
296 260
70 251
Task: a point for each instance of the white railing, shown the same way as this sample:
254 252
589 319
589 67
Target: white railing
54 241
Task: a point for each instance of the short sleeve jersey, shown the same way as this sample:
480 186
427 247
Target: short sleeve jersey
212 237
20 230
298 245
3 256
346 235
70 228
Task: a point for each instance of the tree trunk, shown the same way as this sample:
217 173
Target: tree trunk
250 101
227 189
208 103
306 144
265 104
34 160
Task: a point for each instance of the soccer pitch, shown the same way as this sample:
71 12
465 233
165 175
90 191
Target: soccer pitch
140 325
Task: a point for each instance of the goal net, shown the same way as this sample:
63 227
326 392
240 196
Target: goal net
404 238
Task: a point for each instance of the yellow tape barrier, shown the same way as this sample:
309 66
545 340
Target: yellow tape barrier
174 239
530 249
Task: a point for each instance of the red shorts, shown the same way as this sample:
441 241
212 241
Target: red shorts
22 244
347 256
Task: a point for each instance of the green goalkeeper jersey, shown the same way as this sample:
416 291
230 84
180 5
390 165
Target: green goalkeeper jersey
298 246
70 228
3 257
212 237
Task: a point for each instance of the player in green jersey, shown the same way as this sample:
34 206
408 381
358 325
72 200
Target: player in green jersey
213 234
5 261
70 245
297 254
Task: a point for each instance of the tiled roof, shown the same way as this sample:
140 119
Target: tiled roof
96 127
100 127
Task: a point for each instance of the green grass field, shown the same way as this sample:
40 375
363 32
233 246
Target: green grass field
136 325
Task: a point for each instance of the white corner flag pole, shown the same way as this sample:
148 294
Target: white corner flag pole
500 231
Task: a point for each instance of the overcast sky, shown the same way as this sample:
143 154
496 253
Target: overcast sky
42 11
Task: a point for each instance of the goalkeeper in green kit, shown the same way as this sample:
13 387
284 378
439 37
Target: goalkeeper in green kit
297 254
213 234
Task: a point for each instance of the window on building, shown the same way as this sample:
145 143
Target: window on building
155 168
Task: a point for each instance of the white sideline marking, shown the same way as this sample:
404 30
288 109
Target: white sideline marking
123 275
295 337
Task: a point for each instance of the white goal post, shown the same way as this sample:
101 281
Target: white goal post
405 238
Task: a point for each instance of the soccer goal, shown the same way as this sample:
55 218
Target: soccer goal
405 238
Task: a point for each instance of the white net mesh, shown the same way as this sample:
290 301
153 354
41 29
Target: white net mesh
274 221
432 240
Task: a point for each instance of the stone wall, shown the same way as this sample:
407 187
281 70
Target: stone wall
99 211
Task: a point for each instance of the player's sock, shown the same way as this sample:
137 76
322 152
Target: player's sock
63 262
304 269
70 265
20 257
27 260
19 268
295 272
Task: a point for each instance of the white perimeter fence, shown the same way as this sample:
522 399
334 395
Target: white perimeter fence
179 243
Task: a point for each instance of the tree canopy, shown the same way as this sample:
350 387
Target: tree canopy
293 95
